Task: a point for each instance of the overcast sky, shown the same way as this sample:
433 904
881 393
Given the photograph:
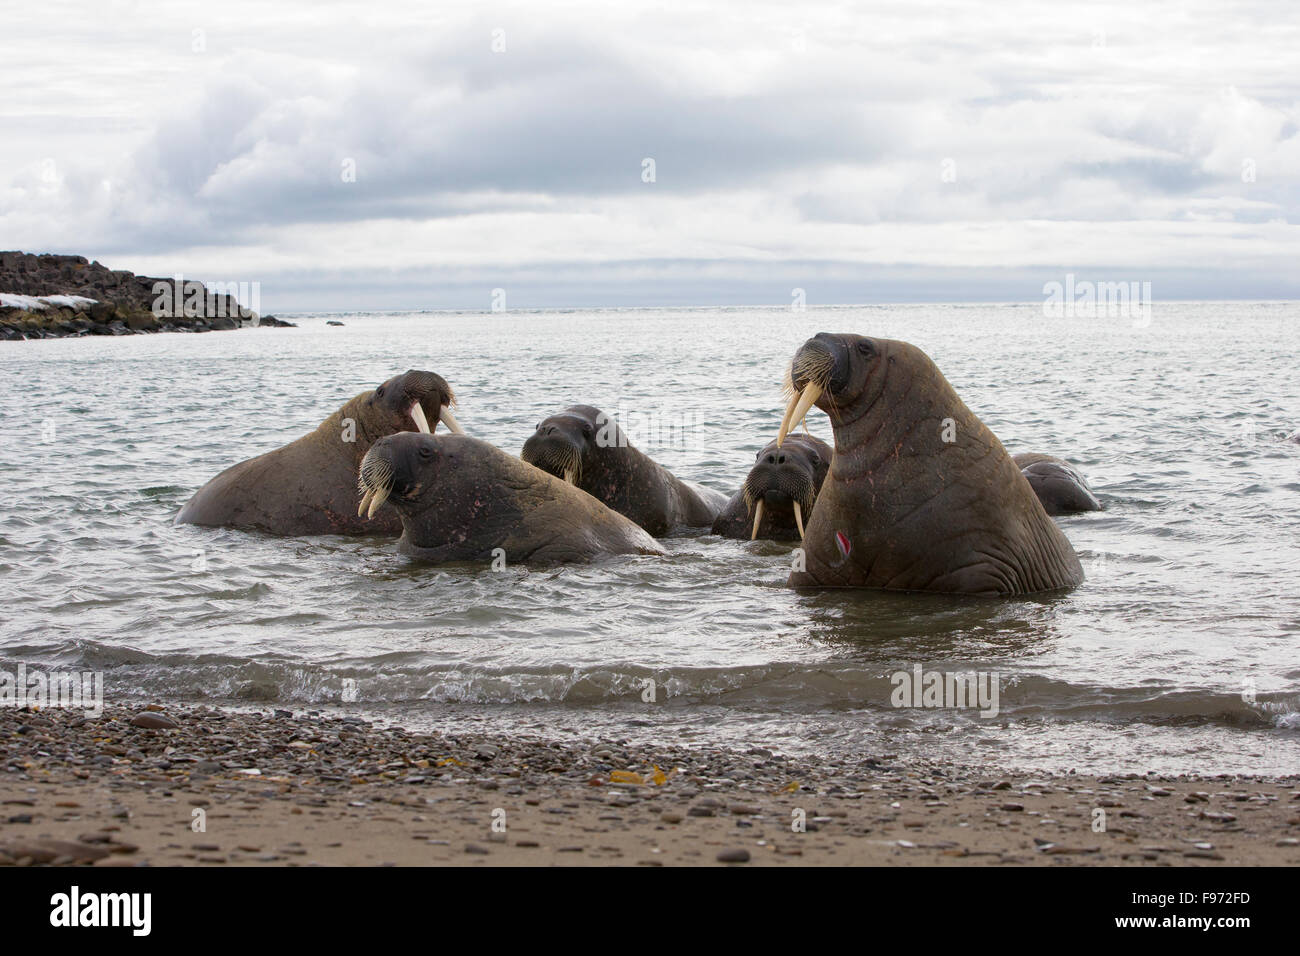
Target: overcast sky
864 152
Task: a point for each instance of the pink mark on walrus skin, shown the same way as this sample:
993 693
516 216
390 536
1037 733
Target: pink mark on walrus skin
843 541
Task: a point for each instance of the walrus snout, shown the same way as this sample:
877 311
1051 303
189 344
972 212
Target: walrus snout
420 397
782 483
374 480
389 469
556 448
820 364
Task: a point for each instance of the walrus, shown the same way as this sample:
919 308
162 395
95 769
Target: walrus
586 448
1059 485
461 499
779 492
921 496
309 485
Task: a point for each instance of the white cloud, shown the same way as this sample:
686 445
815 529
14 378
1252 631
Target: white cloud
1000 135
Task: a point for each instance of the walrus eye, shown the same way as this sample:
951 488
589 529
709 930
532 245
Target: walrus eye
866 348
586 430
425 451
379 392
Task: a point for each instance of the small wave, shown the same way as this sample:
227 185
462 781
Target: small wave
408 679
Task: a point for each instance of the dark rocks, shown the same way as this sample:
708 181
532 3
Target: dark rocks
733 856
61 295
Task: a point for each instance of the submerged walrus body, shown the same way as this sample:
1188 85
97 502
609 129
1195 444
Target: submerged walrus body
779 493
461 499
309 485
1059 485
921 496
585 447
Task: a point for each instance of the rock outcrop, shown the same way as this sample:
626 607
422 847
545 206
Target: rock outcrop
48 296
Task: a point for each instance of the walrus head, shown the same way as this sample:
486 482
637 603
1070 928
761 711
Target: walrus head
415 401
830 371
396 467
786 478
564 443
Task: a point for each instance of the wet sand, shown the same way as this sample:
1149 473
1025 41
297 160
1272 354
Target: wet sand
281 789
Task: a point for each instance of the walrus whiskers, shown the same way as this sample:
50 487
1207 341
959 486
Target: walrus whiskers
816 372
375 484
565 464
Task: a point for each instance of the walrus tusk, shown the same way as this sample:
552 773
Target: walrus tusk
417 415
758 517
365 502
800 402
445 415
568 477
379 497
798 518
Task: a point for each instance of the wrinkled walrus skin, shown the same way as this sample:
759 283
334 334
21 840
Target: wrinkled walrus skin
310 485
921 496
461 499
585 447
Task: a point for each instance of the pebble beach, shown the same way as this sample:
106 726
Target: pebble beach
186 785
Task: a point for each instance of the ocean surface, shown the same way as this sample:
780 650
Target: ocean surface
1181 652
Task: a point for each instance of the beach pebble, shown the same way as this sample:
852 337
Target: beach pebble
733 856
152 721
1217 817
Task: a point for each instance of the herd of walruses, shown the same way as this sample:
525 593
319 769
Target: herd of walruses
916 494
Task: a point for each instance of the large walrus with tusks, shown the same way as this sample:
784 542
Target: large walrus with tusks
461 499
779 492
309 486
921 496
586 448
